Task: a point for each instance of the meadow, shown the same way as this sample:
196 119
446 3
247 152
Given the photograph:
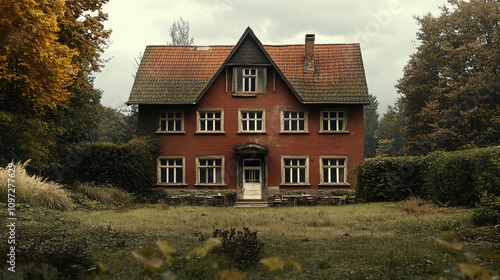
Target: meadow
357 241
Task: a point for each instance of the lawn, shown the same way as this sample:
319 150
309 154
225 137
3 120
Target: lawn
359 241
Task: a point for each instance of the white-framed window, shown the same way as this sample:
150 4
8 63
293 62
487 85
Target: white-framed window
210 120
210 170
294 121
171 122
295 170
171 170
333 121
249 80
251 120
333 170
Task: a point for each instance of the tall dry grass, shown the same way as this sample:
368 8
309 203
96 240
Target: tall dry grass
107 195
33 190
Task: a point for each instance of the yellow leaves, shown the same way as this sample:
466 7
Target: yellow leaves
208 246
276 263
231 275
166 250
452 243
475 272
151 259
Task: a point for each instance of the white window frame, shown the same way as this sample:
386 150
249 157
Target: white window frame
336 119
242 120
206 120
283 172
198 170
248 76
337 168
173 119
290 120
168 166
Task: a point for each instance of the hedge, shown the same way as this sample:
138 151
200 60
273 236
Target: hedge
451 178
127 166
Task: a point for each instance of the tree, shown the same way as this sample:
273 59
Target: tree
390 132
179 33
371 124
451 87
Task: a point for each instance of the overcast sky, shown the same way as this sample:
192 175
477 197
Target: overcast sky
385 29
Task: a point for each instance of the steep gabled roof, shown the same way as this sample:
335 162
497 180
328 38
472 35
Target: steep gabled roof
182 74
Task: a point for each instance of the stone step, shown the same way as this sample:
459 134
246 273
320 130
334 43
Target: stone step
251 203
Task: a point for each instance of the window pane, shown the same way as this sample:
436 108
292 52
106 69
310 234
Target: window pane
210 126
333 125
259 115
325 175
294 125
302 162
210 115
259 125
252 71
244 115
178 174
286 126
218 178
203 162
333 175
163 115
293 115
341 114
178 125
171 176
203 115
178 115
341 162
325 161
333 115
203 175
163 162
218 162
302 115
295 175
302 175
244 126
341 125
302 125
287 161
163 175
325 125
217 126
170 115
251 115
163 125
203 126
251 125
325 115
171 126
286 114
341 175
287 175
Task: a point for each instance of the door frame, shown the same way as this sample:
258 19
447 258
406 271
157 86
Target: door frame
260 182
251 151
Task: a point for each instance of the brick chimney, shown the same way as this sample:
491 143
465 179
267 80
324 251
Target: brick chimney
309 54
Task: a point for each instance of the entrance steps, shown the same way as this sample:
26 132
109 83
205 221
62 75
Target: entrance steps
251 203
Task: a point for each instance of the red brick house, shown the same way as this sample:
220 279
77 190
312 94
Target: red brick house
254 118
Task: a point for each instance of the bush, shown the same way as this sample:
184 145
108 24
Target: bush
127 166
106 195
242 248
32 190
461 178
488 212
389 178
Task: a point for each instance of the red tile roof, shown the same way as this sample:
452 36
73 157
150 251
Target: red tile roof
174 74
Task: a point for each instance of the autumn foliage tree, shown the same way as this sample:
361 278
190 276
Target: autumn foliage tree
48 48
451 85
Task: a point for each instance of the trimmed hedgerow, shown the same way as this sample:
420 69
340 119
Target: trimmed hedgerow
127 166
458 178
389 178
462 178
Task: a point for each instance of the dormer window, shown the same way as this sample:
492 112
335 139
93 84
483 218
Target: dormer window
249 80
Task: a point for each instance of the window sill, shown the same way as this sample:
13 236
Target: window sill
172 185
295 185
210 185
251 132
334 132
336 185
210 132
170 132
294 132
245 94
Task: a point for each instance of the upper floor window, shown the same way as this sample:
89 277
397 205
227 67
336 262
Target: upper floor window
211 120
249 80
171 122
251 121
333 121
294 121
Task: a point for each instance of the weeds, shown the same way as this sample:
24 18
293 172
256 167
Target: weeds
107 195
34 190
416 206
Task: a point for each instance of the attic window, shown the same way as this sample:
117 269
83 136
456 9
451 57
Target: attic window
249 81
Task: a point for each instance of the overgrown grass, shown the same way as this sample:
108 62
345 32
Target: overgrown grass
32 189
361 241
108 196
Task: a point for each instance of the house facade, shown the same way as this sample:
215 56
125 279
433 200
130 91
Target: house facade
258 119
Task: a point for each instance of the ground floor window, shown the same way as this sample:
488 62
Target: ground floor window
210 170
333 170
171 170
295 170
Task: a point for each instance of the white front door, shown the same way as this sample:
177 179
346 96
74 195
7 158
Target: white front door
252 179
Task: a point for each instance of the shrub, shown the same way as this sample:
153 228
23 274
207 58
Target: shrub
488 212
240 248
461 178
33 190
127 166
107 195
389 178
